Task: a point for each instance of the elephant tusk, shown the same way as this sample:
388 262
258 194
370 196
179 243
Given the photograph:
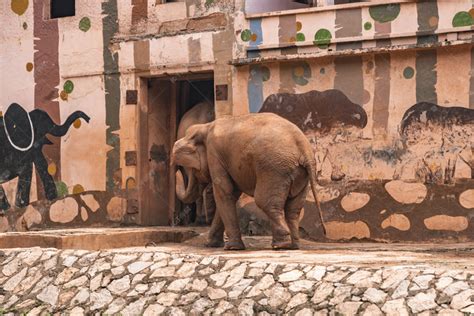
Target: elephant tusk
10 140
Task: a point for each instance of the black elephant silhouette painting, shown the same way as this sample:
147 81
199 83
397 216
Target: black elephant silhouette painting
22 137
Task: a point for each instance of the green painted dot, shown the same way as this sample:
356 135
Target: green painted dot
265 73
367 26
300 37
61 188
408 72
462 18
85 24
385 13
322 38
209 3
246 35
68 86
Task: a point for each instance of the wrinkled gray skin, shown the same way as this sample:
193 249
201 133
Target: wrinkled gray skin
198 189
261 155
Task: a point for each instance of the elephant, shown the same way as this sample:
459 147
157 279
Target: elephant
22 137
262 155
198 189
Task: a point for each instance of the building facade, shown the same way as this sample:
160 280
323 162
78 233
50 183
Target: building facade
383 89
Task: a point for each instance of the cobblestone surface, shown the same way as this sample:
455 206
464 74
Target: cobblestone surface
135 282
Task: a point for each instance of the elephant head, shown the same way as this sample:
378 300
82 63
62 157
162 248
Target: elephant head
190 153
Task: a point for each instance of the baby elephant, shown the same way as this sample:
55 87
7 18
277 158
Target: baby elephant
261 155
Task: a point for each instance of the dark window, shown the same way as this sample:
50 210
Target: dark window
346 1
62 8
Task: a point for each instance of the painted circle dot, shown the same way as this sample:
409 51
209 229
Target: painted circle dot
408 72
131 184
77 123
1 114
25 25
299 26
300 37
322 38
299 71
471 12
19 6
77 189
433 21
245 35
85 24
367 26
29 67
462 18
62 189
265 73
366 97
63 95
68 86
52 169
292 39
253 37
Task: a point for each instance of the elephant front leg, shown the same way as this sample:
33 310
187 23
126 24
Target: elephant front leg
48 182
4 205
24 186
216 233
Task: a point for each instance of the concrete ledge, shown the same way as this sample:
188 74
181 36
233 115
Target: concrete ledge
96 238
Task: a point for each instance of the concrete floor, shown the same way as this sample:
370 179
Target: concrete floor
191 241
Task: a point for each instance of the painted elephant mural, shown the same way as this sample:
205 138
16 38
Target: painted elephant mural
22 137
317 114
438 138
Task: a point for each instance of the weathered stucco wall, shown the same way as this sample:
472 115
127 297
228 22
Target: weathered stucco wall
348 75
384 93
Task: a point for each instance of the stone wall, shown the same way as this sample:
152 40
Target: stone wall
133 282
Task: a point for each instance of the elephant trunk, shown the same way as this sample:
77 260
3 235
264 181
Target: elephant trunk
61 130
187 194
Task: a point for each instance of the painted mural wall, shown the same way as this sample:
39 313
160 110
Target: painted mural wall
67 124
385 95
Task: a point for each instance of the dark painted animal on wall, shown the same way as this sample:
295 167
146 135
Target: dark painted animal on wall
22 137
457 124
316 110
424 114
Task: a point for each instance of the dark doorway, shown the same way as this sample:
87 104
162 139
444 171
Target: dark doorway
162 103
191 93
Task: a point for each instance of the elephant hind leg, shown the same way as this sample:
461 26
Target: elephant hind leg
4 205
293 209
270 196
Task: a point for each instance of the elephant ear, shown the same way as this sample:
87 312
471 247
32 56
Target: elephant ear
18 127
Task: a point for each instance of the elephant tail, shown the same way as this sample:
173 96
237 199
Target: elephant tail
310 165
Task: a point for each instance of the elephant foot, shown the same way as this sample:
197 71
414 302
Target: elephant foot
234 245
283 243
215 244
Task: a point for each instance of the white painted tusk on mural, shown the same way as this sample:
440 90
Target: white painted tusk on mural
10 140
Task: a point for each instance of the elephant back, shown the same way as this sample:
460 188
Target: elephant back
18 127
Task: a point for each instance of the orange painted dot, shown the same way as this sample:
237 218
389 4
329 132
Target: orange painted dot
1 114
52 169
299 71
77 123
292 39
63 95
131 184
471 13
299 26
77 189
29 67
253 37
433 21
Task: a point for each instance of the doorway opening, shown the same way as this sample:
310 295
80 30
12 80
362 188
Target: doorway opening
163 103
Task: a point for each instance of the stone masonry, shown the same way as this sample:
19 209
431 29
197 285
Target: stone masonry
140 281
